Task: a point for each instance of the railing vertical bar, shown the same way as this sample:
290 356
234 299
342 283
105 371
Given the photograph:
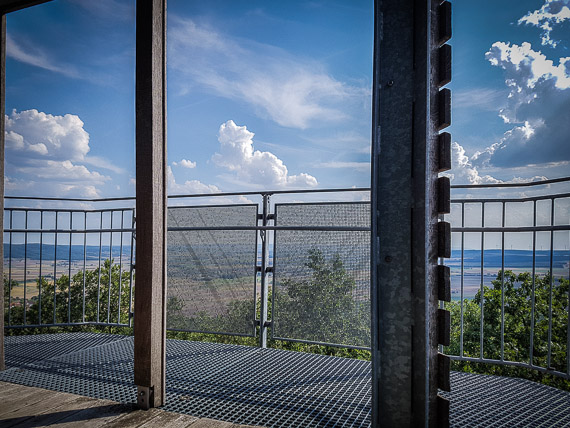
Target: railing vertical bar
132 267
10 271
25 309
84 262
69 267
503 286
121 268
110 269
40 272
462 281
533 291
99 269
568 322
549 356
55 272
482 293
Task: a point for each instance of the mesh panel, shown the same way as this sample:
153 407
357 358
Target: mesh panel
211 273
322 278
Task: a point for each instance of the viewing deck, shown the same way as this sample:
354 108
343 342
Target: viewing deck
260 387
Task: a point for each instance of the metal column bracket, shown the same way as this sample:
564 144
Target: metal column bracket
444 152
145 396
443 283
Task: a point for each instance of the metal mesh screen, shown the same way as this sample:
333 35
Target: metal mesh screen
211 273
322 278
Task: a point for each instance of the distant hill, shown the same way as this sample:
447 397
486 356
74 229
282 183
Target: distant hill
18 251
513 258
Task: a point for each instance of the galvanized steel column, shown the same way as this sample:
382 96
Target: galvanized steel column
405 226
151 204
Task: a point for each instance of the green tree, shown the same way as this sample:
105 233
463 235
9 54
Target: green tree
322 307
516 293
106 298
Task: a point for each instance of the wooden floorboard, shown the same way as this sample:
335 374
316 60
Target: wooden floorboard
28 407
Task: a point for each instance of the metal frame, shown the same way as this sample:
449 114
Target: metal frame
254 319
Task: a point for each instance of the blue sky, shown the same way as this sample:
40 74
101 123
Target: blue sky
271 95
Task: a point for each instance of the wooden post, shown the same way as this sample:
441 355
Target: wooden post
2 124
151 204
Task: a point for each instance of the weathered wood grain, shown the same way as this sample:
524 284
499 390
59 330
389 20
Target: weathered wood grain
27 407
150 290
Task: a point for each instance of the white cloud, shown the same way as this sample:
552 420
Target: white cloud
482 98
527 66
293 92
46 155
33 55
551 13
189 187
362 166
100 162
185 163
237 155
37 134
106 9
463 171
538 105
467 170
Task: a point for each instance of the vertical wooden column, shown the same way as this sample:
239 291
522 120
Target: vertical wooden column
404 216
150 287
2 124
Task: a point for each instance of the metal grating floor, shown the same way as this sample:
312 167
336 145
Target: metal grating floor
267 387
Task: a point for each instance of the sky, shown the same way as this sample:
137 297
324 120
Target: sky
267 95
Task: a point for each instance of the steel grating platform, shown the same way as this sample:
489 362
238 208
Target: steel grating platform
266 387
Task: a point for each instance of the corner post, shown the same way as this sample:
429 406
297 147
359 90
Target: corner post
404 213
151 204
2 124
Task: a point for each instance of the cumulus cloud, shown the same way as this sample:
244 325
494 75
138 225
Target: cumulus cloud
551 13
463 171
185 163
189 186
35 134
538 105
293 92
237 154
46 154
470 169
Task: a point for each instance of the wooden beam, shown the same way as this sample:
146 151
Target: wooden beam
7 6
2 124
151 181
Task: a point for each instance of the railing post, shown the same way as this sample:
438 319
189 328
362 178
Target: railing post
151 204
263 291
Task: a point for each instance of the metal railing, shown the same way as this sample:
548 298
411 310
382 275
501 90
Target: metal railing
67 267
231 265
503 246
511 305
